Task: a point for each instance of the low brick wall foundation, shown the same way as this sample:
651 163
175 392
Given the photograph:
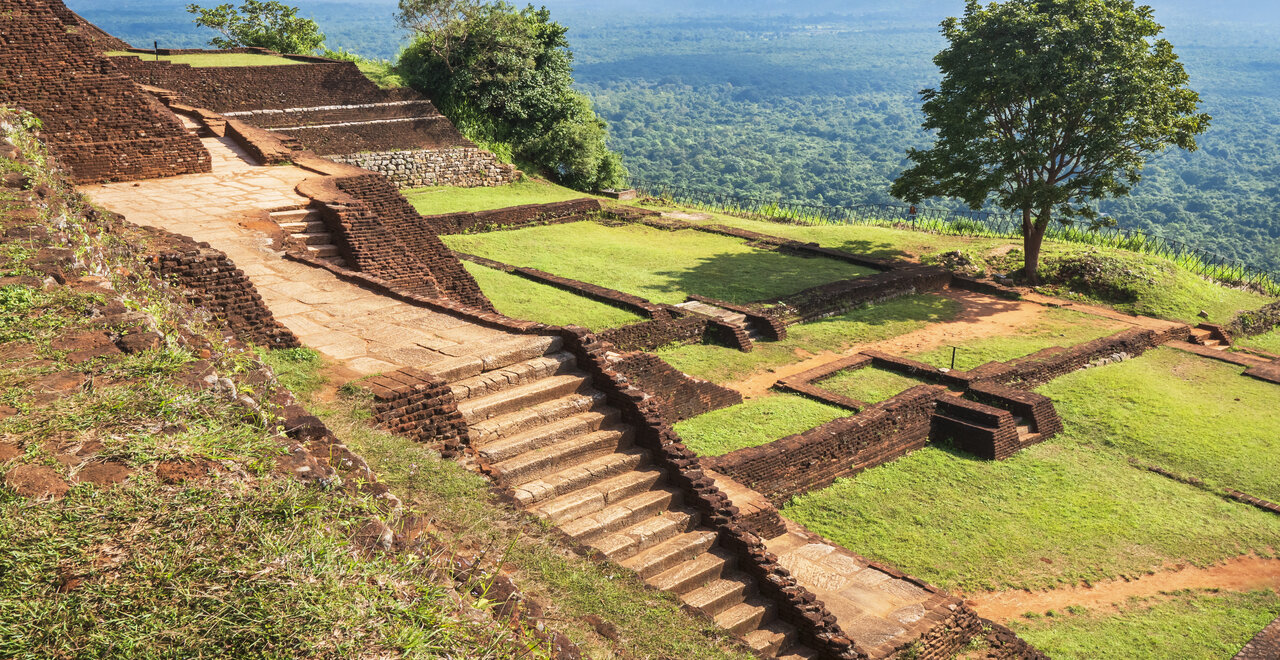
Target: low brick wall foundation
414 404
461 167
513 217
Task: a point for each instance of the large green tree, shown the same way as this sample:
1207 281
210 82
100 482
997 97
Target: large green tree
1047 106
504 75
272 25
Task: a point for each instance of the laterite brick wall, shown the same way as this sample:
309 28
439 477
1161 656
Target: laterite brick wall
679 395
839 297
97 123
573 210
414 404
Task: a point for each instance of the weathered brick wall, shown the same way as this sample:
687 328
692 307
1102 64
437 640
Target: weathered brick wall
573 210
414 404
839 297
984 431
211 281
435 132
651 335
1037 409
679 395
816 458
1039 368
96 36
1255 322
97 123
461 167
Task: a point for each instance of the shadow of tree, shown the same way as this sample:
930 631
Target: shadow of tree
743 277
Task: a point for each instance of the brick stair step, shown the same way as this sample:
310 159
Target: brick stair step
621 514
693 574
774 638
520 373
799 653
296 215
746 616
524 396
580 476
487 356
670 554
323 250
308 227
503 448
667 524
719 595
316 238
574 451
521 421
602 495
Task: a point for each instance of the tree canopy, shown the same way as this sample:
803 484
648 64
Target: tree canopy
504 76
271 25
1048 106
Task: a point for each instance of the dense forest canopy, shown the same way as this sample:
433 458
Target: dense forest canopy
817 100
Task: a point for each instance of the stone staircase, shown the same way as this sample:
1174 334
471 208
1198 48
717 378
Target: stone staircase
1206 338
307 225
544 431
1027 433
735 319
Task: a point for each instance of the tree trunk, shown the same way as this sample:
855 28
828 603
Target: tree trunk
1032 239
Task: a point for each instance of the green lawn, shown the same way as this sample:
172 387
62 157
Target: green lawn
445 199
1269 342
207 60
525 299
870 384
1161 289
1192 626
1055 327
754 423
1056 513
1182 412
662 266
867 324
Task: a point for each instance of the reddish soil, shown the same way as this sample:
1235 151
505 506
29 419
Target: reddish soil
58 383
1240 574
103 474
8 452
176 471
36 481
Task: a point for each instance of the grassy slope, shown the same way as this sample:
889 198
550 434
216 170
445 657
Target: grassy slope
870 384
525 299
1189 414
214 59
446 199
867 324
1169 292
755 423
1055 327
658 265
1269 342
651 624
1191 626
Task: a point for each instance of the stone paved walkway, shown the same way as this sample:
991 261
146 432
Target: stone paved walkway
367 332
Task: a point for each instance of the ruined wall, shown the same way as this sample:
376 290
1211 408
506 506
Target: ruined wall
573 210
414 404
461 167
1039 368
984 431
1255 322
97 123
816 458
839 297
679 395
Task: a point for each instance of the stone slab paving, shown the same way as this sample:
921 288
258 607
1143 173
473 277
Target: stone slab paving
368 332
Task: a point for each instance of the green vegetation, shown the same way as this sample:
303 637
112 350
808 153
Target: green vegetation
1185 413
1056 513
259 24
754 423
661 266
870 385
525 299
838 333
1054 327
462 505
504 75
213 60
1269 342
445 199
1191 626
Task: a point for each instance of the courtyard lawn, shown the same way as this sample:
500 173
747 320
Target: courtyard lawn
1055 327
445 199
1186 413
211 60
872 323
870 384
662 266
1269 342
525 299
754 423
1192 626
1056 513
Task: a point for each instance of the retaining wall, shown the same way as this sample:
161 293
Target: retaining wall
460 167
514 217
679 395
839 297
1255 322
414 404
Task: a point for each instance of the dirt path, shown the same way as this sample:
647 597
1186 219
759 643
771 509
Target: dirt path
980 316
1240 574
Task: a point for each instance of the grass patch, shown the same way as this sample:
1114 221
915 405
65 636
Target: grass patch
1182 412
446 199
870 384
1192 626
661 266
754 423
1269 342
525 299
212 60
1056 513
871 323
1054 327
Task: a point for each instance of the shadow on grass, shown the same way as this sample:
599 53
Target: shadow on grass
756 275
